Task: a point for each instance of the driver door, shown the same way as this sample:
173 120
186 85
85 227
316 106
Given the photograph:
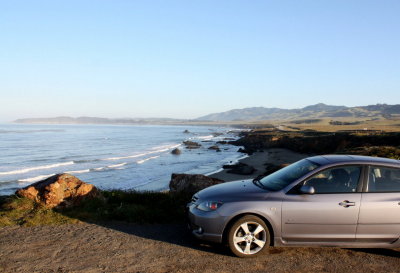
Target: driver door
328 215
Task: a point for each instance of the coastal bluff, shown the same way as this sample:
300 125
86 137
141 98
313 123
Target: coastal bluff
60 190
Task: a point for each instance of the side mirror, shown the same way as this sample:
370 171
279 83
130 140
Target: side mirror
305 189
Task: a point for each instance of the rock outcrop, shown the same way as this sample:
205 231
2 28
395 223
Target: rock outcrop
191 183
191 144
240 168
60 190
215 147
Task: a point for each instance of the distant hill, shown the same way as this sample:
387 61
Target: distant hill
95 120
309 113
319 110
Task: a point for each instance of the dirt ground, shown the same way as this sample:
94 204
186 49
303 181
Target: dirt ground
118 247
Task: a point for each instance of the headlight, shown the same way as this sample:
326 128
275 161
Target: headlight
209 205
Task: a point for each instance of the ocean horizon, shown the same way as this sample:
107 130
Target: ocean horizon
127 157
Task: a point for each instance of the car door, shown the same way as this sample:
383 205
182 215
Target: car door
379 219
330 214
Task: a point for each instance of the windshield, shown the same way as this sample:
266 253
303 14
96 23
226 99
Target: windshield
280 179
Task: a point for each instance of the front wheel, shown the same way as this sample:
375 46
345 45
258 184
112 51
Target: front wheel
248 236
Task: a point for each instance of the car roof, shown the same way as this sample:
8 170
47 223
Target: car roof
356 159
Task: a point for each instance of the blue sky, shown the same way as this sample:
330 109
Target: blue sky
185 59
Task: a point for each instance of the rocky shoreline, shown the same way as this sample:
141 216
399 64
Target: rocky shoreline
261 162
270 149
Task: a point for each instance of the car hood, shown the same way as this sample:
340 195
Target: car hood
236 190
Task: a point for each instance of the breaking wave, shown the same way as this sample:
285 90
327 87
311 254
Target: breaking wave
163 149
146 159
36 178
26 170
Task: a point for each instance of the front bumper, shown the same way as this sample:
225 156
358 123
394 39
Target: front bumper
205 225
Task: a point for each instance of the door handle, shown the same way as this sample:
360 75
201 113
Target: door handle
347 203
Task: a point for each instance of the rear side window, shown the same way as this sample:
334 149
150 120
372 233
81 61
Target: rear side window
383 179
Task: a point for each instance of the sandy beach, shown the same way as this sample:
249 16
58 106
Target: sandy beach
259 160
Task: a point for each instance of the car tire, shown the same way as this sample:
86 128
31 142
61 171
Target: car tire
248 236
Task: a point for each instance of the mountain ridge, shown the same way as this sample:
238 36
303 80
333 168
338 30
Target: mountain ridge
319 110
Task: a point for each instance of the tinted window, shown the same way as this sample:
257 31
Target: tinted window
382 179
336 180
280 179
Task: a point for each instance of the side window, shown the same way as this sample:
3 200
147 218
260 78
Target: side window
382 179
336 180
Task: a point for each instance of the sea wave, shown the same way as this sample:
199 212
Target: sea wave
86 161
80 171
117 165
205 137
146 159
31 131
36 178
163 149
26 170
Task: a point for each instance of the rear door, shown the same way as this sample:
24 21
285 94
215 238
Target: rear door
329 215
379 219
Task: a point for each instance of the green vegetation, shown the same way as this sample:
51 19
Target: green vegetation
373 143
115 205
15 210
380 151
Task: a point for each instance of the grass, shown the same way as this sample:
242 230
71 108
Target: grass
115 205
15 210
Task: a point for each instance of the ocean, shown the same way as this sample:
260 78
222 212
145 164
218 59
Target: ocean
109 156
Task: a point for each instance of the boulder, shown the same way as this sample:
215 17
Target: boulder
191 144
215 147
60 190
191 183
240 168
176 151
186 131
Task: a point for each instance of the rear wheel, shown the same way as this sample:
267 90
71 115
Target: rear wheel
248 236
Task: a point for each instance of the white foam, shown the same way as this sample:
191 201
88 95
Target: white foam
117 165
36 178
146 159
163 149
125 157
37 168
206 137
213 172
80 171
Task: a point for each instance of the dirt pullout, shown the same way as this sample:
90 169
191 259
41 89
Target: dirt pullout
120 247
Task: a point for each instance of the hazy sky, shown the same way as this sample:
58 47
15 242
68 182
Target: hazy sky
126 58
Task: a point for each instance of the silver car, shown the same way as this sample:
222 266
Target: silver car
331 200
